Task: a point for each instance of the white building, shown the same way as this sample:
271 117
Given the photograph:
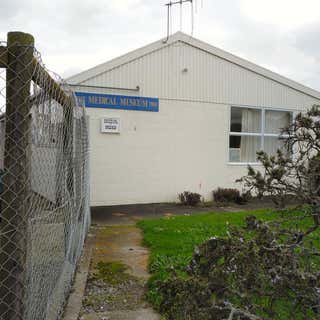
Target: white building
215 110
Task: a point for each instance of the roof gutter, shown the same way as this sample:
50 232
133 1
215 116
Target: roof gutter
137 88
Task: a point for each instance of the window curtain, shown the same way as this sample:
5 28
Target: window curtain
272 144
274 122
251 122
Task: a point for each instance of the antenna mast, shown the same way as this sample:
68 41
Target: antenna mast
169 7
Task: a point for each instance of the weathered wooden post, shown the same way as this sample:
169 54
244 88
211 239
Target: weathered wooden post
13 227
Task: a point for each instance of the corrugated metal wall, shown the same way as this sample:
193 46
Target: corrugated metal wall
208 79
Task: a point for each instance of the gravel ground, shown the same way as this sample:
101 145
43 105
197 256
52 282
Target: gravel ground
101 296
118 275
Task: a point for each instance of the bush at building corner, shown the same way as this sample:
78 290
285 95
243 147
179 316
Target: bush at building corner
189 198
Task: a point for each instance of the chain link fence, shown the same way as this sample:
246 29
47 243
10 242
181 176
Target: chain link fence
44 190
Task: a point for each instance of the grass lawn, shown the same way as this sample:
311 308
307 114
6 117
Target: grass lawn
172 240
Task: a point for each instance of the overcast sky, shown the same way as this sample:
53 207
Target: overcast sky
73 35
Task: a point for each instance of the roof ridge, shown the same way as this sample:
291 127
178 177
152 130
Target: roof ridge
201 45
113 61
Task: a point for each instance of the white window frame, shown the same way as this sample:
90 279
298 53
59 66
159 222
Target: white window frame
262 134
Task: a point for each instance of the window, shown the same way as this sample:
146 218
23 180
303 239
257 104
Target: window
252 130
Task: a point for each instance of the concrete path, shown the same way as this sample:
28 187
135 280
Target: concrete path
121 296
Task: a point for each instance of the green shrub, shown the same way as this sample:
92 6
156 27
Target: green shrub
226 195
189 198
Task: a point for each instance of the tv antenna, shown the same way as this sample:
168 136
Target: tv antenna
181 3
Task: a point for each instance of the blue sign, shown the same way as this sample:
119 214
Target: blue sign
110 101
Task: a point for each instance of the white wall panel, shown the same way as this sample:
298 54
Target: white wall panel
158 155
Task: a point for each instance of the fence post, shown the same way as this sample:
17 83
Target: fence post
13 226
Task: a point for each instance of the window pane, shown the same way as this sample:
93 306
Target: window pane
245 120
244 148
276 120
272 144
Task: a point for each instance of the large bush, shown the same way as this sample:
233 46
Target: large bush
257 272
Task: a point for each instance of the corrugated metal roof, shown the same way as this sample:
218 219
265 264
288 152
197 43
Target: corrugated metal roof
180 36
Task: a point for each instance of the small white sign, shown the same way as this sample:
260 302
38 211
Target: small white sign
110 125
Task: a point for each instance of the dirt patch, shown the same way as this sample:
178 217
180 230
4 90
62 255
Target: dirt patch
118 274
